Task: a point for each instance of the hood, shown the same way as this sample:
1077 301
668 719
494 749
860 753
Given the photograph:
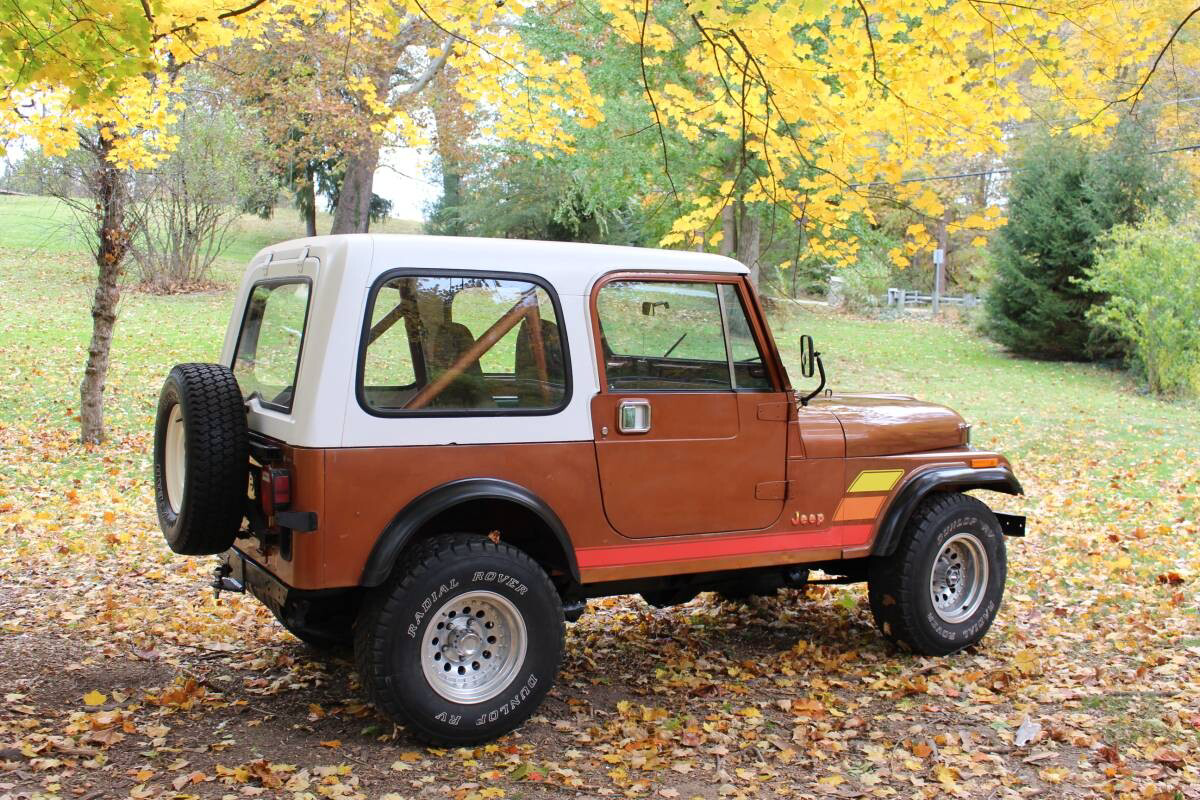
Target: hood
892 424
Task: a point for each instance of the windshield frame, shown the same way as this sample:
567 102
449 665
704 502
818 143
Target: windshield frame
237 348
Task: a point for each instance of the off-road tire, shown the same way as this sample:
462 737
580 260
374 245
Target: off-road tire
394 622
900 584
215 473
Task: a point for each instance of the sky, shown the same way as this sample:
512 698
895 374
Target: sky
404 178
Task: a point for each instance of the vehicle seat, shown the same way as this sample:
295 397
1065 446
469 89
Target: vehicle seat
468 390
529 386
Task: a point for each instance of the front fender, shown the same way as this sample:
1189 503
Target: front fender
998 479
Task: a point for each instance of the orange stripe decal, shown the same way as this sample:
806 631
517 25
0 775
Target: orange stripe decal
858 508
720 546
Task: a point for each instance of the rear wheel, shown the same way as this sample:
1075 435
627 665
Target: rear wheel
941 590
464 641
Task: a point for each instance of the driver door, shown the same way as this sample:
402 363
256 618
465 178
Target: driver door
690 425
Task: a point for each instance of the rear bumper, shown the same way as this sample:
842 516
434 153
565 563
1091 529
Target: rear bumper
271 592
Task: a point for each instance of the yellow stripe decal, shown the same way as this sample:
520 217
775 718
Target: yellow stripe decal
875 480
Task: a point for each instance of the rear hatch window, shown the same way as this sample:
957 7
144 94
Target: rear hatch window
267 359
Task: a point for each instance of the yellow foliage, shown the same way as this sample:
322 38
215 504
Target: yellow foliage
830 95
844 100
114 69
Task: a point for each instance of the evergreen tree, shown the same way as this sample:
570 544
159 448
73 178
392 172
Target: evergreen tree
1063 197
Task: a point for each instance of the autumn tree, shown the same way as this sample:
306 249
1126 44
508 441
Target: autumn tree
105 67
827 106
96 77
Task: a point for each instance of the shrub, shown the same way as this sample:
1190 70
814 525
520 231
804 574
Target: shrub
866 282
1151 275
1063 198
193 198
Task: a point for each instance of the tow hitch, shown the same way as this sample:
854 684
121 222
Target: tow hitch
224 582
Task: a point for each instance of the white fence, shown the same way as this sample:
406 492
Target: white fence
911 297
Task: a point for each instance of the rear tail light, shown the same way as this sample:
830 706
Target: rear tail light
275 489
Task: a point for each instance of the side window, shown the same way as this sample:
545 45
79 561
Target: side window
662 336
460 345
749 367
268 349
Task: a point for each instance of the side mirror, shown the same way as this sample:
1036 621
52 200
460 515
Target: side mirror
648 307
808 356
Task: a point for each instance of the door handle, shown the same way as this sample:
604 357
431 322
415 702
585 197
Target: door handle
633 416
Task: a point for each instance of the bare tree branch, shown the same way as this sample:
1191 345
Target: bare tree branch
650 96
871 42
432 70
1153 67
235 12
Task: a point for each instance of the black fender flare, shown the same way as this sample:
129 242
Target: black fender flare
998 479
426 506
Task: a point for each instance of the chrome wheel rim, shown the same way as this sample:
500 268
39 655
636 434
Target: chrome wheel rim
473 646
958 581
175 459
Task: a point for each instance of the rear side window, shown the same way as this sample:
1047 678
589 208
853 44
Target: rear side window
661 336
268 350
462 344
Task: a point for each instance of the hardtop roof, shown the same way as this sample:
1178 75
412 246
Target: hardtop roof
569 266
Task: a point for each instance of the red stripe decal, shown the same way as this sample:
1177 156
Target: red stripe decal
721 546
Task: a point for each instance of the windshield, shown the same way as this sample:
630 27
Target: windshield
268 351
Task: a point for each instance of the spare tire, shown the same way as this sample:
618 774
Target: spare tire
201 459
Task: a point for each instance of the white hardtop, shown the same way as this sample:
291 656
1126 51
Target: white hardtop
325 411
570 267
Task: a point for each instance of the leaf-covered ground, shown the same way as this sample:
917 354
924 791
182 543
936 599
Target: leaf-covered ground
120 675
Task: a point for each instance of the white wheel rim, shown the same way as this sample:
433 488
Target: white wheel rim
473 646
959 578
175 458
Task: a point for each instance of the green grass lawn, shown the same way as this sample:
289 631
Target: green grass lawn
1017 405
46 225
1023 407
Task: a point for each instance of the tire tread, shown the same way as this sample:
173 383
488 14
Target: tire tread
217 457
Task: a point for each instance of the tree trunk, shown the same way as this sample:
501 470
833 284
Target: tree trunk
729 242
352 214
451 186
310 200
750 243
110 195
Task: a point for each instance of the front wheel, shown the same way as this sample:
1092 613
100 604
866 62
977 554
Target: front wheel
463 643
941 590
